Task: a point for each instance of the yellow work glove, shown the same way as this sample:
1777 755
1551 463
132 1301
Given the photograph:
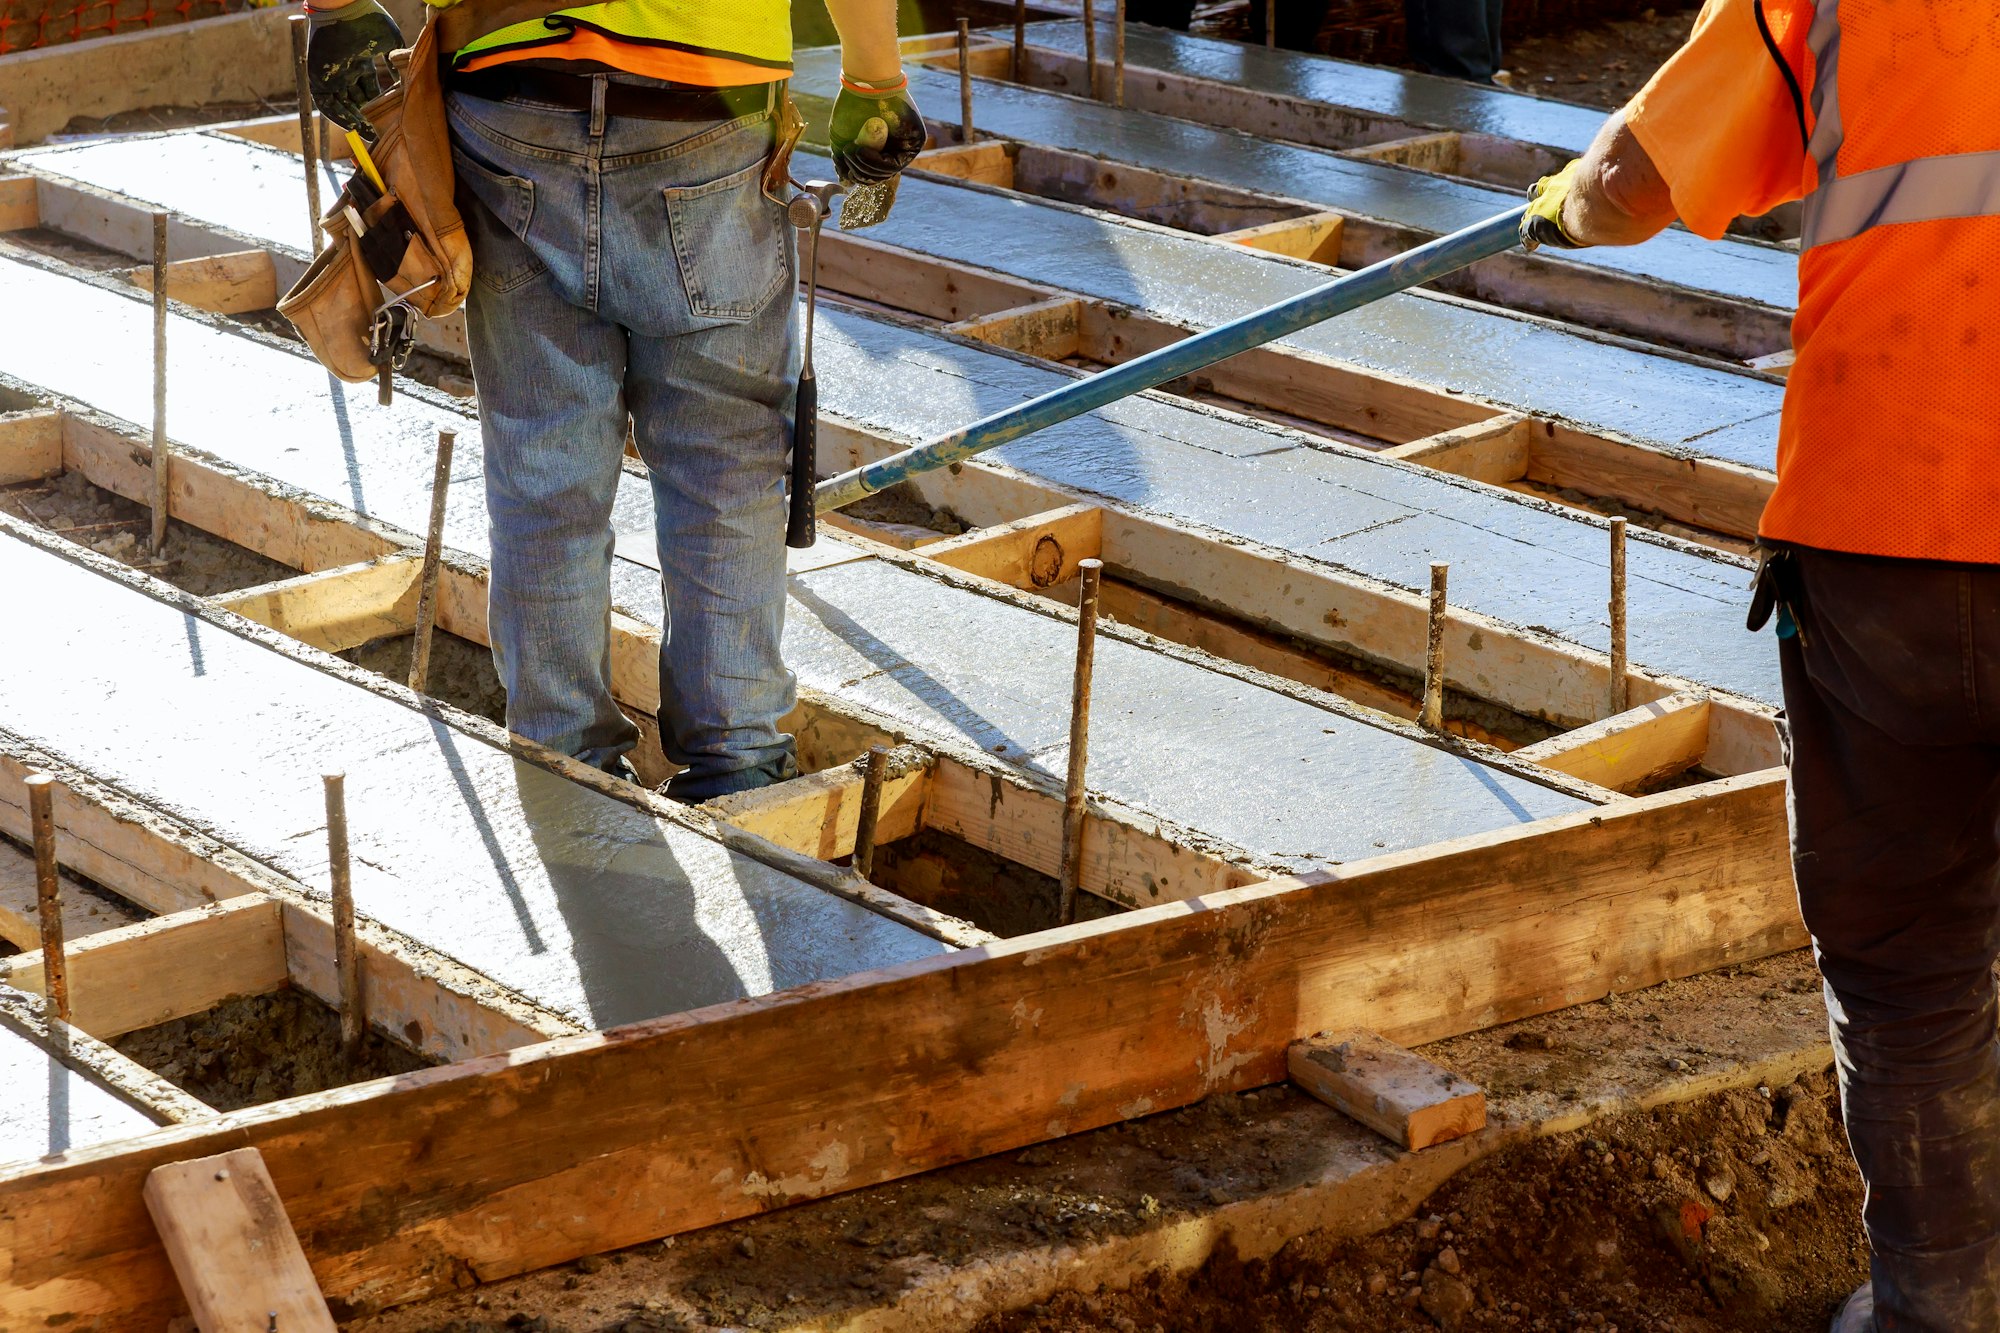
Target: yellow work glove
1542 223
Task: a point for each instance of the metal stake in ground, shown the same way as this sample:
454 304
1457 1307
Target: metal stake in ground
346 963
301 30
1118 56
965 81
427 583
159 385
1020 39
1090 45
871 810
1620 687
1431 718
1071 878
1271 23
48 892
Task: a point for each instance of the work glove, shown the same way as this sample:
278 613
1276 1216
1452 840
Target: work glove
340 60
875 133
1542 223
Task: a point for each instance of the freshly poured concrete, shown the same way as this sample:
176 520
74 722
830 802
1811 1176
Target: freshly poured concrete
1738 270
585 904
276 412
1401 95
1509 362
47 1107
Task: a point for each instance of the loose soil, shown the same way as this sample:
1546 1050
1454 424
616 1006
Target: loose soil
263 1048
1599 64
462 672
195 562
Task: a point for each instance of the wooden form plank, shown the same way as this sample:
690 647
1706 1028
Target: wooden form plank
84 914
1315 237
1493 451
1038 551
225 1232
1051 330
30 445
1704 492
638 1133
817 814
988 162
168 967
234 283
336 609
1401 1096
1641 745
18 207
1437 152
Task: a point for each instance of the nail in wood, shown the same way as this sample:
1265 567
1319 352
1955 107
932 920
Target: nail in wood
1020 38
346 962
160 503
1118 56
1620 686
427 583
1432 716
965 81
48 893
1090 45
1071 878
871 810
301 30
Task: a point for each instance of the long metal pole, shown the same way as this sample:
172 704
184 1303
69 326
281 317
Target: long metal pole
1431 718
427 583
160 498
301 29
1071 878
1118 55
1425 263
48 893
1620 698
346 962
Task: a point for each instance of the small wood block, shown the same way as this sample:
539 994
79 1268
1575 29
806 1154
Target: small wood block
1399 1095
232 1246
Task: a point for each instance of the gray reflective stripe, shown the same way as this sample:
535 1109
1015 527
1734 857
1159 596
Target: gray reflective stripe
1963 185
1823 41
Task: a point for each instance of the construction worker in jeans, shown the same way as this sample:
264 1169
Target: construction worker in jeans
1882 558
629 264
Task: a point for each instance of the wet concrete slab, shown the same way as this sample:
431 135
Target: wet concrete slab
1739 270
587 905
46 1107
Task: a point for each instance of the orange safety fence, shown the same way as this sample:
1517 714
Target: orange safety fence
27 24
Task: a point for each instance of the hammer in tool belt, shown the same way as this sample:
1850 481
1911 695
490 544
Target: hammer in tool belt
807 210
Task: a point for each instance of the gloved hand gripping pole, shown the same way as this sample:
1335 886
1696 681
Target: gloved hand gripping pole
807 210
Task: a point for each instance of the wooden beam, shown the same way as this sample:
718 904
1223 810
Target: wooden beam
1315 237
1704 492
1038 551
816 814
336 609
30 445
228 284
1494 451
283 132
1422 152
168 967
878 271
1051 329
1403 1097
988 162
637 1133
1777 363
232 1247
84 914
18 208
1638 746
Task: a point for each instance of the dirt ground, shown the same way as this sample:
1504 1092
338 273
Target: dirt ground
1602 64
258 1049
462 671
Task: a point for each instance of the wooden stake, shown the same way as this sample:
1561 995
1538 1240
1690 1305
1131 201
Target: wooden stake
965 81
1079 737
1432 716
48 893
1090 45
871 810
1620 688
1118 55
301 30
160 502
427 584
1020 38
1271 23
346 964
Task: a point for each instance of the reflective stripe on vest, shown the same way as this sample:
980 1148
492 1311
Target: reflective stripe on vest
1922 189
752 32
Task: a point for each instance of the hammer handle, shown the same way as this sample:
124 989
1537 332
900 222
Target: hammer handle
801 529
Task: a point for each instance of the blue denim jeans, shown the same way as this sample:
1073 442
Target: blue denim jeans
633 269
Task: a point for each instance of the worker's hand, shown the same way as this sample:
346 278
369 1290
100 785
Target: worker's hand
340 59
1542 223
875 133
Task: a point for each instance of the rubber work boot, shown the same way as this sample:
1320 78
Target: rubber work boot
1858 1315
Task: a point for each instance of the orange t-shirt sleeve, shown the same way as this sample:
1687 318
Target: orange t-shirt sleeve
1719 122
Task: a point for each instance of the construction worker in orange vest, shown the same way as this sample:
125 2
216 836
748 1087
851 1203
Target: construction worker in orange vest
630 266
1881 556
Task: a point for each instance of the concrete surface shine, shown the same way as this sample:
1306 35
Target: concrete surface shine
583 903
47 1107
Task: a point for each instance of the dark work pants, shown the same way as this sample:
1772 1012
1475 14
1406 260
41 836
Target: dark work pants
1893 701
1460 38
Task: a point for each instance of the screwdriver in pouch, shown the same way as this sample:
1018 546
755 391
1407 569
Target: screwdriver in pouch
806 212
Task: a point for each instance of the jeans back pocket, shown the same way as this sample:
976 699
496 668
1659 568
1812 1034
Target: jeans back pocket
730 241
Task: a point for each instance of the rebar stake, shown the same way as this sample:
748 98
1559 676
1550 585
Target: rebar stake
872 776
1118 55
160 503
1620 688
346 964
1432 716
48 893
965 80
1071 878
1090 45
1020 38
1271 23
427 583
301 30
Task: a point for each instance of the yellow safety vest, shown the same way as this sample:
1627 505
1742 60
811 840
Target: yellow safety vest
716 43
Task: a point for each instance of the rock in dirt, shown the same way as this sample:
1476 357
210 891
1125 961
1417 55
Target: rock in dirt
1445 1298
1448 1260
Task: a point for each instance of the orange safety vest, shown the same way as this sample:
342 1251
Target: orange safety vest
1890 439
